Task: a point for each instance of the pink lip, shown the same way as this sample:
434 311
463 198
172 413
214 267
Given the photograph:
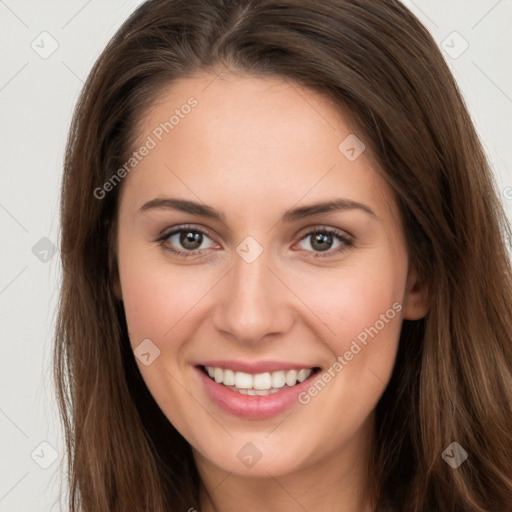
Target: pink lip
255 367
253 407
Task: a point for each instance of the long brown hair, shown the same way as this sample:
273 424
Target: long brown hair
452 380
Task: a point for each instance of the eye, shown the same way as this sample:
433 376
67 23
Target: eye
325 240
187 241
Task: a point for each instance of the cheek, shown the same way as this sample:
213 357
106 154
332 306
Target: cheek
360 309
159 305
364 311
354 297
157 296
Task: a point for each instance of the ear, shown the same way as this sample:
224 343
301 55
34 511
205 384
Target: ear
417 297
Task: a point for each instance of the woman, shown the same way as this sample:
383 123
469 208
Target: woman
285 281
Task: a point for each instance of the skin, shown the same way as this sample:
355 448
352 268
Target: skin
251 149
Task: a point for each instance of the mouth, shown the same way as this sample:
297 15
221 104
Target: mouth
258 384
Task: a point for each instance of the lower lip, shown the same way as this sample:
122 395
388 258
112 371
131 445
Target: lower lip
249 406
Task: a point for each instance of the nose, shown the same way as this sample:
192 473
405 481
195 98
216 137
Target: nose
254 304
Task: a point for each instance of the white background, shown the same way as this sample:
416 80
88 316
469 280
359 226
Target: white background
37 97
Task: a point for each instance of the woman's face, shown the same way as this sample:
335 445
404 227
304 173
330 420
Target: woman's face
263 286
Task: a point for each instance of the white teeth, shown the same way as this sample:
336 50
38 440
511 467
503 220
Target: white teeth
262 381
243 380
260 384
229 378
278 379
218 374
302 375
291 377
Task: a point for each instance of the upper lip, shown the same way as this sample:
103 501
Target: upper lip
256 367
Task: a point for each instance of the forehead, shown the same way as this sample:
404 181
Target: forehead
253 141
246 109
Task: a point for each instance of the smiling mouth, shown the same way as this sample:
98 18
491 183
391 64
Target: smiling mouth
260 384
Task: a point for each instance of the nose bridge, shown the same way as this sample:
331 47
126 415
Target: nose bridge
251 280
254 303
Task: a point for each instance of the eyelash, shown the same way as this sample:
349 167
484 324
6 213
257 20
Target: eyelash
346 242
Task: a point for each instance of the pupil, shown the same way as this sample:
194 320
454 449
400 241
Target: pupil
191 240
322 241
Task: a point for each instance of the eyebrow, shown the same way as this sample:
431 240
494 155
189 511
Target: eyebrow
291 215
